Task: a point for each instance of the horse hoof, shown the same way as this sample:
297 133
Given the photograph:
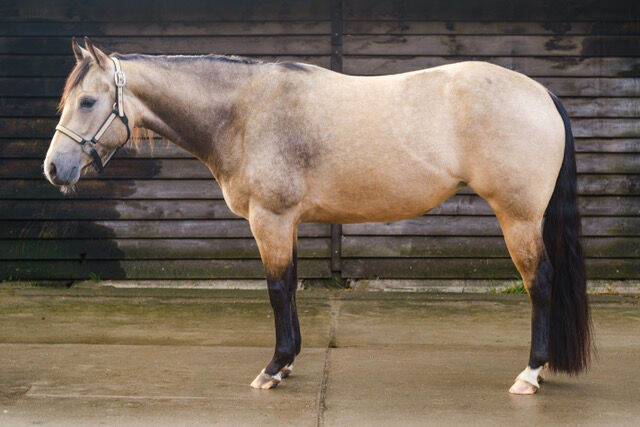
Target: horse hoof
522 387
265 381
286 371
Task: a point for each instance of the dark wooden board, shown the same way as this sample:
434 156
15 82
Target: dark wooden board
472 268
161 149
477 246
405 27
83 249
119 169
167 11
118 189
561 86
230 228
217 209
490 10
180 45
432 225
488 45
151 269
543 66
209 28
127 168
40 189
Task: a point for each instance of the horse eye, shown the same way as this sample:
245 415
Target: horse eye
87 102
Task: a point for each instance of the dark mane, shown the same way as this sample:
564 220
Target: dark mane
78 74
188 58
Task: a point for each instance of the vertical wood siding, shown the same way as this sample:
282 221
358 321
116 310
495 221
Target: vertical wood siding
157 213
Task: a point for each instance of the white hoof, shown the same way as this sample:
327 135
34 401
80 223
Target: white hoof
265 381
286 371
523 387
526 382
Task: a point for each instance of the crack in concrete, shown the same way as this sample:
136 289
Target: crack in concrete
336 305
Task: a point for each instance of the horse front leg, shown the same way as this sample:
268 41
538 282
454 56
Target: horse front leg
275 237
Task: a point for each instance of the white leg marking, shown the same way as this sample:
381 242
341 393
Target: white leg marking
286 371
265 381
526 382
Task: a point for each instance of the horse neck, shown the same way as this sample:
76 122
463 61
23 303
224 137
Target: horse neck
187 101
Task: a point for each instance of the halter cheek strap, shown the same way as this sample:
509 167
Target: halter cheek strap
89 146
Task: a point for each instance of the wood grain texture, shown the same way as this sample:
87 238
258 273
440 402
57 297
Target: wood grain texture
157 213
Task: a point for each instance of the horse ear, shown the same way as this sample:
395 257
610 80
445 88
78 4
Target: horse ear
99 56
78 51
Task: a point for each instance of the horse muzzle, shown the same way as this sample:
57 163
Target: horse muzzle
61 173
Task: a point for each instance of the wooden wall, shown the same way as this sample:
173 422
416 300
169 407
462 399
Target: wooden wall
158 214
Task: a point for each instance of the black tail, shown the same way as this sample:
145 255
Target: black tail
570 326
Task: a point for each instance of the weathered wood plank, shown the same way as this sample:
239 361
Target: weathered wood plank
115 189
120 28
471 268
149 10
81 250
582 127
607 145
119 169
405 27
151 269
200 229
159 149
128 168
491 10
60 65
40 189
608 163
549 66
573 87
217 209
587 86
114 209
431 225
613 128
192 45
577 107
162 149
486 45
602 107
478 246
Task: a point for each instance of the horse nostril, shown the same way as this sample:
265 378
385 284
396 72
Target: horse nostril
52 170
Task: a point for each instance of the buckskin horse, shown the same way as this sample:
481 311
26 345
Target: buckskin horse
291 142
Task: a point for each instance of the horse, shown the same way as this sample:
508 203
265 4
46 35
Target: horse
290 142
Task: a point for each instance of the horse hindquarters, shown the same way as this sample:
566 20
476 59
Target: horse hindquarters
548 256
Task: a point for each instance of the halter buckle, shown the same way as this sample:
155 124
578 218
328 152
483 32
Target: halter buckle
120 78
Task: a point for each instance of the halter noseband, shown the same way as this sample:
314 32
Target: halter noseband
89 146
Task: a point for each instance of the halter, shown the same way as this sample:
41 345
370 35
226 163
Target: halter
89 146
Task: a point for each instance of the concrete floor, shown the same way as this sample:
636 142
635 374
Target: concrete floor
167 357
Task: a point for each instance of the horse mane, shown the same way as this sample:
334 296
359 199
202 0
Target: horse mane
76 76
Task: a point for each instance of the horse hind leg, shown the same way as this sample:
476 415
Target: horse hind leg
525 244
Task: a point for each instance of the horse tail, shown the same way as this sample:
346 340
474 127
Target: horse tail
569 323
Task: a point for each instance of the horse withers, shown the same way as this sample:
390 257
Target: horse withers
291 143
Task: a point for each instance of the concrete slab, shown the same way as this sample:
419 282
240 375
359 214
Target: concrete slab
449 361
185 357
81 384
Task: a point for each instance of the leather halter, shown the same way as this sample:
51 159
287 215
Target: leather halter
89 145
